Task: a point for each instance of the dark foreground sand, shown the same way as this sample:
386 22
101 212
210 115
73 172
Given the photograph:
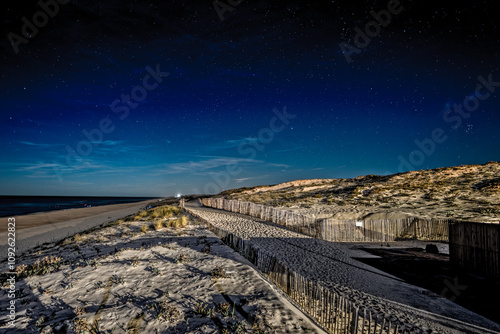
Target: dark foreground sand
36 229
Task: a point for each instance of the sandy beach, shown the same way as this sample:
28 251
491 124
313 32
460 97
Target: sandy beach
36 229
53 217
150 275
130 270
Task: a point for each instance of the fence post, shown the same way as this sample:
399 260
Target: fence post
354 324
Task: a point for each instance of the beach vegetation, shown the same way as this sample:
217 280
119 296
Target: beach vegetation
80 326
164 311
100 285
165 211
178 223
78 238
224 309
181 222
79 311
116 222
257 330
115 279
158 225
140 215
154 270
237 327
39 323
204 310
219 272
42 266
182 257
175 223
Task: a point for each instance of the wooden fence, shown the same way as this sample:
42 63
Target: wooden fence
335 313
476 247
340 230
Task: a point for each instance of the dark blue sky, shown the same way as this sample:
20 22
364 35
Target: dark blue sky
67 128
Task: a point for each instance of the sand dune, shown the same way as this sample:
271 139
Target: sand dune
470 192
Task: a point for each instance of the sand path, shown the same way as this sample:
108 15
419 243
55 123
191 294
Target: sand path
330 264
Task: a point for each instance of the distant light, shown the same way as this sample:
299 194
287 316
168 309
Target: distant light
178 195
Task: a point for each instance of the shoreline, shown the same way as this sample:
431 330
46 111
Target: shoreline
49 227
55 216
65 209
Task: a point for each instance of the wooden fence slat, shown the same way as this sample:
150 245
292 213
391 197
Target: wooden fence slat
475 247
339 230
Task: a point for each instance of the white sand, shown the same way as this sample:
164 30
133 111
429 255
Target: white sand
36 229
114 275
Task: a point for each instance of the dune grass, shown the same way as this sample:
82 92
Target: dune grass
159 217
165 211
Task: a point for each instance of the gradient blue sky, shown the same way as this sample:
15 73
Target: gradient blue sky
225 78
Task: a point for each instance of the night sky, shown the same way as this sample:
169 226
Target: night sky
155 98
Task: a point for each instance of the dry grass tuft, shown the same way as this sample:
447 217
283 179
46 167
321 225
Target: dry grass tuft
204 310
178 223
158 225
224 309
165 312
42 266
182 257
165 211
78 238
219 272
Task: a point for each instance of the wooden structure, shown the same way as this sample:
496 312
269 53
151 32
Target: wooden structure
332 311
475 247
340 230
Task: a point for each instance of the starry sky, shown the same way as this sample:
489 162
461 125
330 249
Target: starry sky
156 98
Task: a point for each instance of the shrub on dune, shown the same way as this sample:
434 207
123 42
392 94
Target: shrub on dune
184 221
42 266
165 211
158 225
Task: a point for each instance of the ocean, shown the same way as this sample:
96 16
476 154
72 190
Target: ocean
21 205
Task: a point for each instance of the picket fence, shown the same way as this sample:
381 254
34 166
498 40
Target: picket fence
332 311
340 230
475 247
